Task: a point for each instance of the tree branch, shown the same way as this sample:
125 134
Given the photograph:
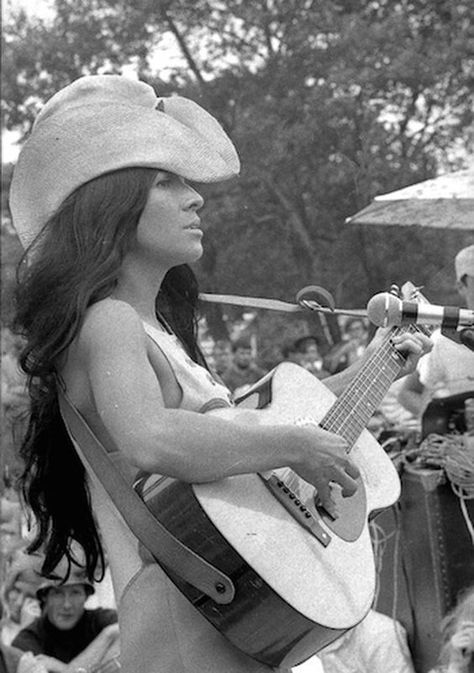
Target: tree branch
184 48
294 220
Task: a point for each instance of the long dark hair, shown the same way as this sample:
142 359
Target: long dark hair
74 263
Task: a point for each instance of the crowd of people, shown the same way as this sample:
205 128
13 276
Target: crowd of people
236 362
50 625
47 624
107 308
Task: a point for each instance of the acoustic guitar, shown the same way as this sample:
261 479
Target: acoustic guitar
301 578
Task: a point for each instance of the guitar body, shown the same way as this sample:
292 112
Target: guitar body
297 587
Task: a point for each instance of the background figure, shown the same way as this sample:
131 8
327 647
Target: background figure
378 644
290 353
20 604
351 348
311 359
457 645
67 632
11 520
13 379
449 368
14 398
222 357
243 371
394 415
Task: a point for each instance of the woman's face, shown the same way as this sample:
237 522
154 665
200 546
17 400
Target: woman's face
169 226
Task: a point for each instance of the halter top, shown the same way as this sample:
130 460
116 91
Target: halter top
201 392
160 631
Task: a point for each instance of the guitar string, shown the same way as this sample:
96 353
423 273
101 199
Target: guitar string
351 412
364 391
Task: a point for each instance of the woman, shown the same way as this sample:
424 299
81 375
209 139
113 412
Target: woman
107 305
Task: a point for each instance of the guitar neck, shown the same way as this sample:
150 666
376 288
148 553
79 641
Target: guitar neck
351 412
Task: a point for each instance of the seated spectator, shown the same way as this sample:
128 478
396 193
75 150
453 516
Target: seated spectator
67 632
311 359
351 348
244 371
457 645
21 607
291 354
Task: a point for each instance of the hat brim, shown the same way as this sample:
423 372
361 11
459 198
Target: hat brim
68 149
43 590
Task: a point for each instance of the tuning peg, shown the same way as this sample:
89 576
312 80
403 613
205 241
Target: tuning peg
395 290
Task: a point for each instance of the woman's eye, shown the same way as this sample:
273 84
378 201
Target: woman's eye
163 182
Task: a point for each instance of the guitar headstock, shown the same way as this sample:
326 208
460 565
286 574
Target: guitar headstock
408 292
412 293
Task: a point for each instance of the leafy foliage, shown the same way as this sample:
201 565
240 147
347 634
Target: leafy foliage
329 103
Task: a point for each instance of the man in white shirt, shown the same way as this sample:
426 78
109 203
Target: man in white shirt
449 368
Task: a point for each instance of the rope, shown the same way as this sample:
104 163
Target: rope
278 305
379 541
454 453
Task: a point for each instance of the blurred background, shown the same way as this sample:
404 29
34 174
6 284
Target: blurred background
329 104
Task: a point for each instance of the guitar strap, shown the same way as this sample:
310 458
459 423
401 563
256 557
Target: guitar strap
164 546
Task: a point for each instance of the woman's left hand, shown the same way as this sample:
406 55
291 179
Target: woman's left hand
411 345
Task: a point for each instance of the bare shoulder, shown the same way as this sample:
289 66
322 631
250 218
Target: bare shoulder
111 321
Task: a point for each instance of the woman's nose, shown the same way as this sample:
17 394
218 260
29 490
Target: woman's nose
196 201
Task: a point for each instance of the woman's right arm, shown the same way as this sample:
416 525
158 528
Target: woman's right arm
187 445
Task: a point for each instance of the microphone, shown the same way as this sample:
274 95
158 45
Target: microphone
385 310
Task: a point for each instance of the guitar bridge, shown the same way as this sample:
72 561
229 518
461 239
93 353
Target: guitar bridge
296 508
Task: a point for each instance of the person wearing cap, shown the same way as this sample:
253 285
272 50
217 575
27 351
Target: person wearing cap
67 636
102 200
449 368
243 371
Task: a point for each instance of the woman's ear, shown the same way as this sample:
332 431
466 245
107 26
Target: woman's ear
461 286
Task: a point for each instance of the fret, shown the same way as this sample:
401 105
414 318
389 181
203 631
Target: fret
352 410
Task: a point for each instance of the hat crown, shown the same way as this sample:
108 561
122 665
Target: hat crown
100 90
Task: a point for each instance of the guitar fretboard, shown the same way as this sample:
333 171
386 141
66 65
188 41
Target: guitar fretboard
351 412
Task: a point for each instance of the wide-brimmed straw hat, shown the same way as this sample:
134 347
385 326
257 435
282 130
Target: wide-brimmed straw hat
102 123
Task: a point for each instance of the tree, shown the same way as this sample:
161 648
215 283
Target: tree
328 102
